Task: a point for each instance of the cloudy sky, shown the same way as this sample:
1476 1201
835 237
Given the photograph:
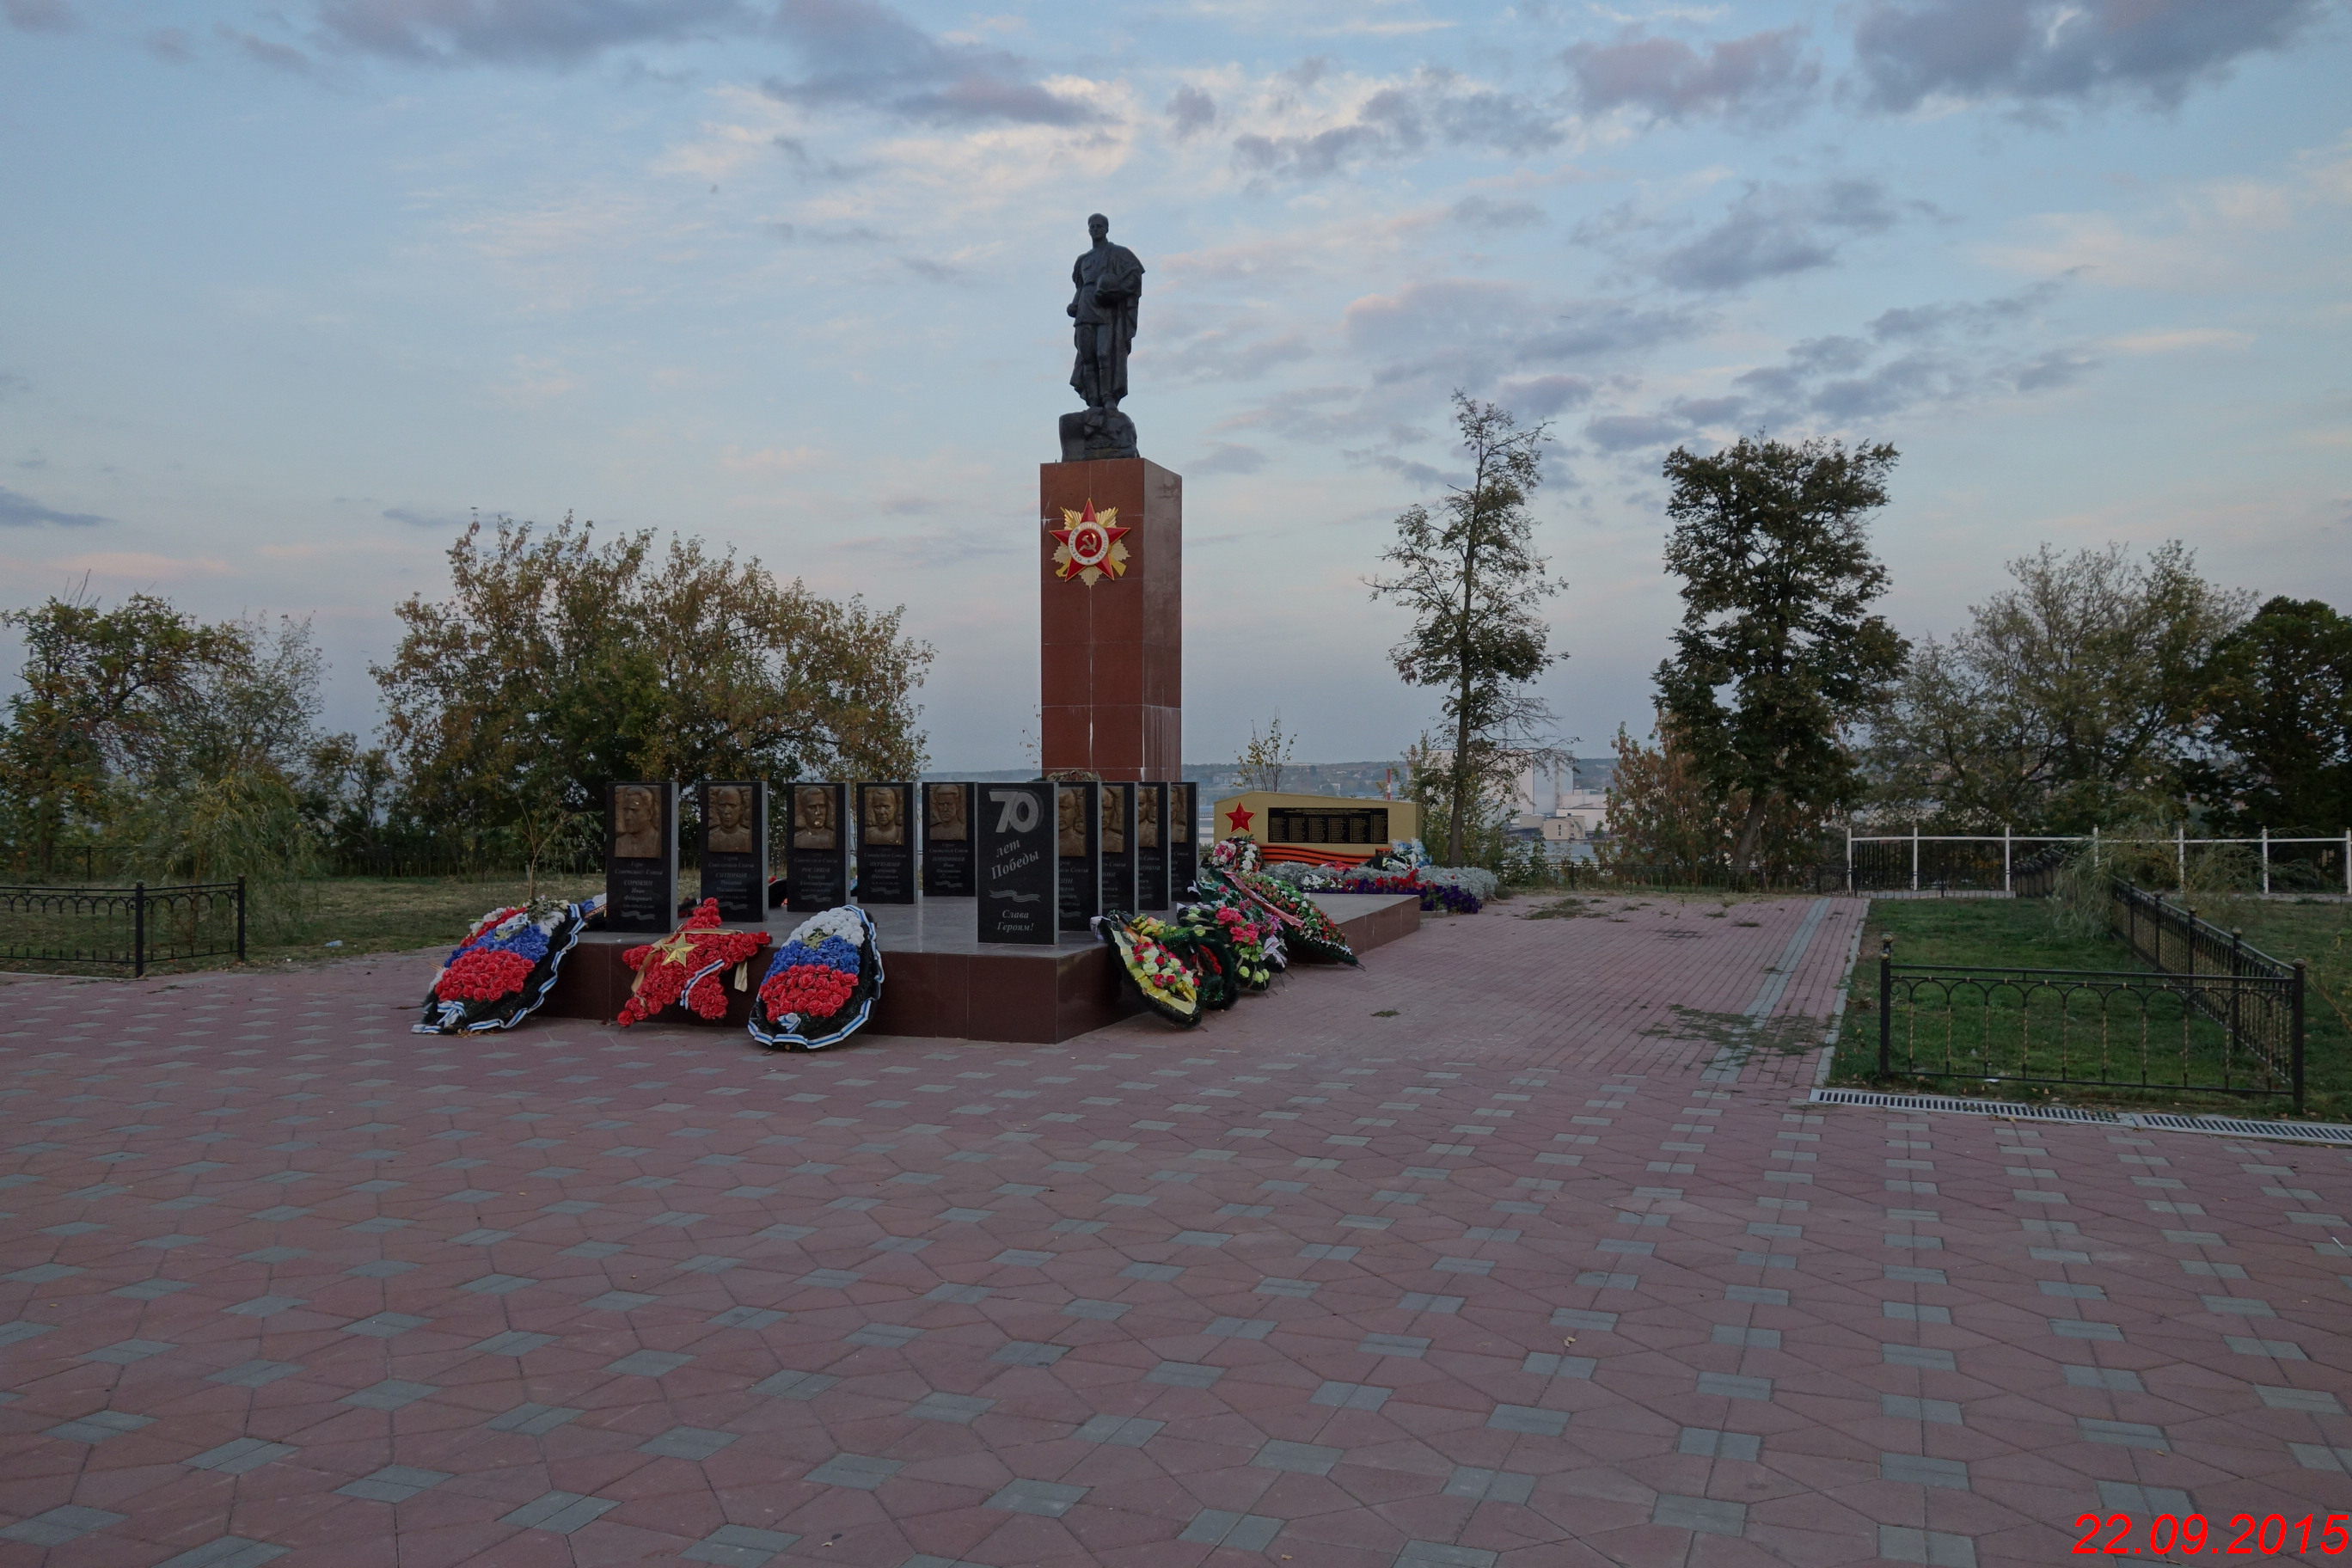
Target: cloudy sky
291 289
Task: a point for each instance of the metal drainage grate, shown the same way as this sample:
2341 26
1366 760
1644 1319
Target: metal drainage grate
1947 1102
2293 1131
2228 1126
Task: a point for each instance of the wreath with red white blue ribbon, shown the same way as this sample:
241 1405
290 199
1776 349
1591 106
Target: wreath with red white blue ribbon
505 969
821 986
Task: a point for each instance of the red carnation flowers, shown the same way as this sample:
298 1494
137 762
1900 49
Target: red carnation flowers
688 966
484 974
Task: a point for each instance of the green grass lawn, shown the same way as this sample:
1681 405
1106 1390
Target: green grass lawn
360 914
2002 933
388 914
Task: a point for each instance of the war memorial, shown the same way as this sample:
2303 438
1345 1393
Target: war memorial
914 1194
984 898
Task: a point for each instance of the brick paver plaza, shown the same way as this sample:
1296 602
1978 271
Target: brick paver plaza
1513 1248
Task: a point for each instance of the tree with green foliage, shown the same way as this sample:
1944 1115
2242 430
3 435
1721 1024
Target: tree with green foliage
1777 653
2276 721
2069 700
559 664
166 748
1663 818
1471 575
100 691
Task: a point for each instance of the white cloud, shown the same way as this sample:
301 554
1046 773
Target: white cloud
2170 342
2216 234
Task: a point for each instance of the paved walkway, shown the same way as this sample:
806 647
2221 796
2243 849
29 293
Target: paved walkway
1510 1249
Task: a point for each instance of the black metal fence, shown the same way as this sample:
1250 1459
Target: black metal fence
132 928
2210 1015
2036 876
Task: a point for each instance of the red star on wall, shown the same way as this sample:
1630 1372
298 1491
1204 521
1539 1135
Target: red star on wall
1239 820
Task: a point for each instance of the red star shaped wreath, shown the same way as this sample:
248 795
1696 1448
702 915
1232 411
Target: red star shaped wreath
687 967
1089 546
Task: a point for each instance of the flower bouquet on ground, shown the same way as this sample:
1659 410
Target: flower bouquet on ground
1158 973
1237 944
1239 853
1433 896
688 967
1206 951
1304 923
506 967
1284 912
820 988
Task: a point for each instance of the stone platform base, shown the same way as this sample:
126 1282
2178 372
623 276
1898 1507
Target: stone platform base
940 982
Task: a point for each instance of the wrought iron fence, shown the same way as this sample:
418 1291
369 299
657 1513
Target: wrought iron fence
2036 876
2211 1016
130 928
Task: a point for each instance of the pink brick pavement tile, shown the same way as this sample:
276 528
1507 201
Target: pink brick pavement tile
1541 1020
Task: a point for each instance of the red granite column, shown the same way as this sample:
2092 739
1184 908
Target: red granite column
1111 654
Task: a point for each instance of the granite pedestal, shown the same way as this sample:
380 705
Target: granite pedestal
1111 654
939 982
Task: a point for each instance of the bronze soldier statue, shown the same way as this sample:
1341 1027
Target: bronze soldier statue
1107 282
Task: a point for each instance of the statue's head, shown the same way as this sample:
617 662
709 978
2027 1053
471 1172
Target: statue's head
1098 226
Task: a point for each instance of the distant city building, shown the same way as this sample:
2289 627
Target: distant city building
1562 802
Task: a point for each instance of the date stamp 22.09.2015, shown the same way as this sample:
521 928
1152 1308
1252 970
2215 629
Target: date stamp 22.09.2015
2245 1535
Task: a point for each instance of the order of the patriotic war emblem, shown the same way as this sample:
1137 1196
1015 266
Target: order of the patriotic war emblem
1088 545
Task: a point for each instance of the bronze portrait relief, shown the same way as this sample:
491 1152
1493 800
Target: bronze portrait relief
1114 819
812 823
730 830
946 808
1146 816
636 822
1073 823
883 823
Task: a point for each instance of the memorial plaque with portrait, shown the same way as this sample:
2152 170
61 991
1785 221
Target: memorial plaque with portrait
1151 847
735 847
1183 837
1015 836
1115 875
816 856
886 843
1077 846
641 855
946 839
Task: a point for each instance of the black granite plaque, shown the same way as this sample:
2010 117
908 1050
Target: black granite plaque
886 843
1361 828
1117 877
1077 845
1183 839
816 856
641 855
1020 879
735 847
946 839
1151 847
